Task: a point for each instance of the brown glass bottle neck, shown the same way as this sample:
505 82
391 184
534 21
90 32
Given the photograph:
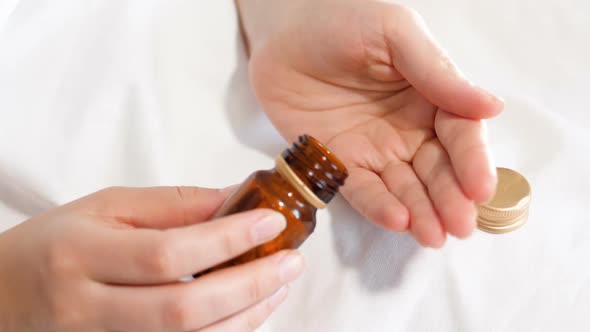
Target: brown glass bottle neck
314 169
285 171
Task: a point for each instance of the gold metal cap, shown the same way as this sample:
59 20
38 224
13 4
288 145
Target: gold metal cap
509 208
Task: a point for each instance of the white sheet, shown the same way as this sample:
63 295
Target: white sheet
154 92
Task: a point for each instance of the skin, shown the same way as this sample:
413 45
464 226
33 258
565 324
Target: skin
112 261
363 76
368 79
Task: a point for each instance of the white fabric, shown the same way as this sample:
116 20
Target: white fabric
154 92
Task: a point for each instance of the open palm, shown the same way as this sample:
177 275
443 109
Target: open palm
370 83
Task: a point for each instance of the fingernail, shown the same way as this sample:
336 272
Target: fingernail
268 227
291 266
278 297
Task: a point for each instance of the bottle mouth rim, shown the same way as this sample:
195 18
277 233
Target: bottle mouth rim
325 151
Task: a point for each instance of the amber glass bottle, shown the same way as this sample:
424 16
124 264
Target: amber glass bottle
306 177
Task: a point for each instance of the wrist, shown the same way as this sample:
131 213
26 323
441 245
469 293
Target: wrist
260 19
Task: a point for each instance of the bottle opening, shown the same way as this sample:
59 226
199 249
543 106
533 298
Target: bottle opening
316 167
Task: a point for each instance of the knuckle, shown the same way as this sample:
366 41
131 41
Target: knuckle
452 136
186 192
181 192
65 320
229 245
444 66
441 185
176 315
220 304
255 290
64 314
100 202
446 63
264 280
405 10
109 191
402 19
253 322
159 259
60 259
402 15
258 316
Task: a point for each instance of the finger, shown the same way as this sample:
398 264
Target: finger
434 169
199 303
156 207
466 142
418 57
424 222
367 193
143 256
251 318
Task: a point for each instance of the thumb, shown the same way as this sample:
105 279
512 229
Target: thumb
417 56
156 207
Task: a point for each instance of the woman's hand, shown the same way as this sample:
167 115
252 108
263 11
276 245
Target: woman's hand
112 261
367 78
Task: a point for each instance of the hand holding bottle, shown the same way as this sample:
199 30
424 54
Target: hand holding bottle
111 261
